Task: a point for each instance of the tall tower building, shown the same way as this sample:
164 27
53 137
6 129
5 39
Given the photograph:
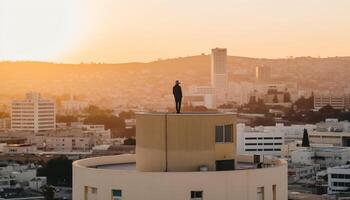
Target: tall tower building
263 73
219 77
33 114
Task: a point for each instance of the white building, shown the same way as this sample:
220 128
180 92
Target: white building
16 172
331 132
98 131
36 183
336 101
259 141
19 149
297 171
33 114
73 106
338 179
64 143
324 156
201 96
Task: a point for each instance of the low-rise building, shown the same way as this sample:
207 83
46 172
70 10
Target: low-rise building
331 132
257 141
5 124
338 179
324 156
19 149
297 171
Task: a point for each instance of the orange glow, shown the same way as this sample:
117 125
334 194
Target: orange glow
123 31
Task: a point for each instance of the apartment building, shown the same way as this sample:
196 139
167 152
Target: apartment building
33 114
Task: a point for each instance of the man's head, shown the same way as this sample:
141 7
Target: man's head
177 82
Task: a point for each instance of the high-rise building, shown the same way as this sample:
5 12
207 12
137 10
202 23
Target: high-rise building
181 156
219 76
33 114
263 73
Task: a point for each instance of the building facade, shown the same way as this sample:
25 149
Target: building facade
324 156
33 114
257 141
185 156
263 73
331 132
338 179
219 76
340 102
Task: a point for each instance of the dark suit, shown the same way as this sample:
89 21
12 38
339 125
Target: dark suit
178 97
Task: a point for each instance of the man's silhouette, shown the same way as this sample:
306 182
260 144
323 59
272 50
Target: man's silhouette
177 95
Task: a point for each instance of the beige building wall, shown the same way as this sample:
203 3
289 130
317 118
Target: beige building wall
223 185
173 142
150 137
333 138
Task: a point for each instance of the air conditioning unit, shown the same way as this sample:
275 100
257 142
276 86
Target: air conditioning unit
203 168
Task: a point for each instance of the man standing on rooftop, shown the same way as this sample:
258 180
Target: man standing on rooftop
177 95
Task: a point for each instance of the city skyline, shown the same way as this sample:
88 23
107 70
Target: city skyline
119 32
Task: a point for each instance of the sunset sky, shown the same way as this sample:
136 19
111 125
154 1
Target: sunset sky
74 31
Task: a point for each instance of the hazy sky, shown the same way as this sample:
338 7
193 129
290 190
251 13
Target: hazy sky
144 30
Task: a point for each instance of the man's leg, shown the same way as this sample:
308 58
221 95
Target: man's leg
180 105
177 105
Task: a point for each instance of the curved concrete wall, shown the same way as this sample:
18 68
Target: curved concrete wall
181 142
223 185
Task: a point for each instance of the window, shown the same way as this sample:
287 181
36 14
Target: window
250 144
219 137
196 195
223 133
228 133
251 138
274 192
260 193
116 194
90 193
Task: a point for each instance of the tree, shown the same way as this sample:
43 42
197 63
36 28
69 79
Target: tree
127 114
58 171
306 142
49 192
66 119
109 121
275 99
130 141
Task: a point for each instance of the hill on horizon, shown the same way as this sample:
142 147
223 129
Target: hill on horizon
127 80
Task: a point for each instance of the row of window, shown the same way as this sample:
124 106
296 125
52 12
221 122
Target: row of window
277 149
263 138
253 144
341 176
117 194
341 184
223 133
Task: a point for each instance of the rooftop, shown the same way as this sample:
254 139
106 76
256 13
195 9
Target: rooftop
185 113
131 166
